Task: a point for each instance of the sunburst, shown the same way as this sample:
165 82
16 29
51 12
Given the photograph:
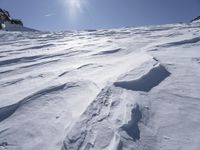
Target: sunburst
75 7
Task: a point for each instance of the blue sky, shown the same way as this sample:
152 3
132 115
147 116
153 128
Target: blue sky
57 15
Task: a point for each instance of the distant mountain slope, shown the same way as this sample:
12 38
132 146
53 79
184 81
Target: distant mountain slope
197 19
15 27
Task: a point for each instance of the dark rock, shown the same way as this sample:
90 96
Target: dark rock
16 21
196 19
5 17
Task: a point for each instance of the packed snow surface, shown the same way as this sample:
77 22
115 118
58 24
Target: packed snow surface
121 89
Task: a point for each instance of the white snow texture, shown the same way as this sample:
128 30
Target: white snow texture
134 88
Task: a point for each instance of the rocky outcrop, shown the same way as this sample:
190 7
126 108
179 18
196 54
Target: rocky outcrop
197 19
4 15
5 18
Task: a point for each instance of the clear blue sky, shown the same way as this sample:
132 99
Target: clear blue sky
56 15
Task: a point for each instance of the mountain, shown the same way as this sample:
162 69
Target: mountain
9 24
131 88
197 19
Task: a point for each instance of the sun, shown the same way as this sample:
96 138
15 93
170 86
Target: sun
75 7
75 4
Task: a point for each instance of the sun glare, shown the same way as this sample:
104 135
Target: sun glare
75 7
75 4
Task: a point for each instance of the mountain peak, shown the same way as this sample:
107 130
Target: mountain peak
10 24
197 19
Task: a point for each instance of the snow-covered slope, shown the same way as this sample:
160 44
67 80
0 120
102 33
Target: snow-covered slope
129 88
15 27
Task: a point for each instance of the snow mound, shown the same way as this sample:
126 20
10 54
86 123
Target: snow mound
145 83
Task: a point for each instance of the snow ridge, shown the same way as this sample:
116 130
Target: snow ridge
5 112
86 133
146 82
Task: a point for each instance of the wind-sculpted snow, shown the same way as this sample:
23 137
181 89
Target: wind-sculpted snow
9 110
156 75
183 42
132 88
100 117
108 52
131 127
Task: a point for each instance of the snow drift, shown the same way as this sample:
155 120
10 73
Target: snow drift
146 82
119 89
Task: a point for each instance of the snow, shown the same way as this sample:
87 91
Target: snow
14 27
128 88
146 82
196 21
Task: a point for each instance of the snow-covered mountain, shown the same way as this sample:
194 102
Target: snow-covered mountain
9 24
120 89
196 20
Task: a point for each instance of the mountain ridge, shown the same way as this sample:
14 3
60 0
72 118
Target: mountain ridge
9 24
